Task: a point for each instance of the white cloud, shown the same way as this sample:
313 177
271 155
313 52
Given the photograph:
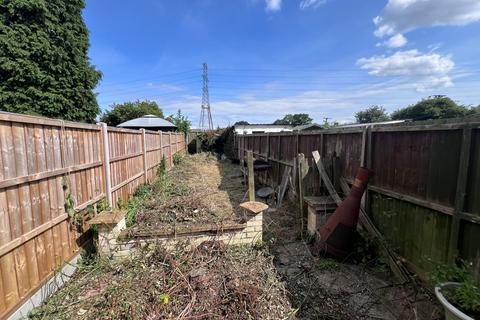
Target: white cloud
395 41
401 16
273 5
425 71
166 87
304 4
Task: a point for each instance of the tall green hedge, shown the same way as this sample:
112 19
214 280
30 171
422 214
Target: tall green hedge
44 66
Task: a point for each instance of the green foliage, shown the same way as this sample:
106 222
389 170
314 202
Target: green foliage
467 294
241 123
130 110
327 264
136 203
162 187
366 248
474 110
178 158
181 121
307 237
456 273
162 168
326 124
372 114
165 298
44 65
296 119
437 107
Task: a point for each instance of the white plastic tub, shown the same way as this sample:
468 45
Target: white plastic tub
451 313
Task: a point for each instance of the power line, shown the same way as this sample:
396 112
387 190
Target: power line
165 75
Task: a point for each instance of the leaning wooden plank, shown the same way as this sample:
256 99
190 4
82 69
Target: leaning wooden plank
325 178
283 186
392 259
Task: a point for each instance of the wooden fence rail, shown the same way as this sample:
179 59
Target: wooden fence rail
43 163
425 193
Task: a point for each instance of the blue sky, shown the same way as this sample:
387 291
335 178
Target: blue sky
266 58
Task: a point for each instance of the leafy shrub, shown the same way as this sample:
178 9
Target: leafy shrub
467 295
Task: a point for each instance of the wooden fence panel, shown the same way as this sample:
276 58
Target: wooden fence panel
415 197
154 153
472 201
45 162
409 162
126 162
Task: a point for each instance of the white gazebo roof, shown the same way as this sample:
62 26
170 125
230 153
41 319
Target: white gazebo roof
147 121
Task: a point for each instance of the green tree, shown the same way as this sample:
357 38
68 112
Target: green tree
296 119
372 114
181 121
326 124
130 110
437 107
44 65
241 123
475 110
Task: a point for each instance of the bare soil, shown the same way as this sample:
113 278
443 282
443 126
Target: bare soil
323 288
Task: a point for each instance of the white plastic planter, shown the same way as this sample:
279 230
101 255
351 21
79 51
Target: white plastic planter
451 313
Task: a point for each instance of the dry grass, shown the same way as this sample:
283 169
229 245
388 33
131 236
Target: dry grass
199 190
213 281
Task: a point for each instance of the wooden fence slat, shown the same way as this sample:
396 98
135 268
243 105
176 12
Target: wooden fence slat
460 192
37 156
416 169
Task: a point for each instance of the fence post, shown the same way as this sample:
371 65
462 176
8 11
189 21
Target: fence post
460 192
197 144
144 152
368 157
170 148
302 169
186 138
106 164
251 176
363 155
161 146
268 145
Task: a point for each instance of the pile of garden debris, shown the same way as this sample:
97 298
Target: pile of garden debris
198 190
214 281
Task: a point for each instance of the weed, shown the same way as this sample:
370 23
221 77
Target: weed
261 245
366 248
305 237
327 264
162 168
165 297
102 205
178 159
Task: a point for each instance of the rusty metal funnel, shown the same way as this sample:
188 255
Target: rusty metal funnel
337 234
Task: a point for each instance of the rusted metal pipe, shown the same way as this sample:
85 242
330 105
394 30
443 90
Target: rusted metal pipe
337 235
